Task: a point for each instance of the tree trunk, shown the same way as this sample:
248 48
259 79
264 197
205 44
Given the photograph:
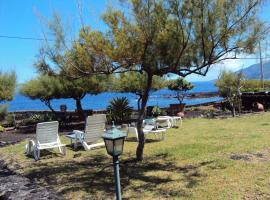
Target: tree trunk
233 110
79 108
140 147
139 103
48 104
239 108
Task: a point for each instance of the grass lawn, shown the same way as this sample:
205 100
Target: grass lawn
203 159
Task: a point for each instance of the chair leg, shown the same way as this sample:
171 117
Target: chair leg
145 137
60 149
163 135
64 150
37 154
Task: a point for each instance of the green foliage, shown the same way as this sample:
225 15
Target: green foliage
3 111
2 129
156 111
229 85
37 118
181 88
10 120
194 109
7 86
135 82
255 86
7 91
119 110
161 37
47 87
44 88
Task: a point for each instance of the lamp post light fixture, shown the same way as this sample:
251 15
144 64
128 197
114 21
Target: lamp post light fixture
114 142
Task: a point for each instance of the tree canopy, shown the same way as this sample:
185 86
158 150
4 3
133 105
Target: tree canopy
135 83
181 87
44 88
47 88
229 85
7 86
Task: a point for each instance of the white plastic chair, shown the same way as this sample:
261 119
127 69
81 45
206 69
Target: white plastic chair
94 129
47 138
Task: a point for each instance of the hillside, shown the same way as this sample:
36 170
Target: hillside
254 72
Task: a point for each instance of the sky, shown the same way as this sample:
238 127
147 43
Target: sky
25 18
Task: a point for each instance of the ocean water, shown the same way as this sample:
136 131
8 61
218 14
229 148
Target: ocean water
101 101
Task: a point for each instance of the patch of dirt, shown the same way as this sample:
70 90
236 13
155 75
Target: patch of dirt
14 186
259 156
12 137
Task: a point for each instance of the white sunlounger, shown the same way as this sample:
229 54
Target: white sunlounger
94 129
159 133
47 138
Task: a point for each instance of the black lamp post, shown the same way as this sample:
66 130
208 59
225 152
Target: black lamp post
114 142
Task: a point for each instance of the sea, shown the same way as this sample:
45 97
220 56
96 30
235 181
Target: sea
162 98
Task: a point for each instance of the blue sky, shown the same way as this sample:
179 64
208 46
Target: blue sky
23 18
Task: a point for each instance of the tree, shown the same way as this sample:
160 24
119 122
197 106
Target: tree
157 37
180 86
134 82
7 90
78 88
7 86
47 88
229 85
44 88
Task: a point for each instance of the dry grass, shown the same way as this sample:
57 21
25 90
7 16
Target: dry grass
203 159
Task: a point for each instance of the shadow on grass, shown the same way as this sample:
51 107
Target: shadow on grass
95 176
148 140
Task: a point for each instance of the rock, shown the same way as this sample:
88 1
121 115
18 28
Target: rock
2 143
181 114
14 186
260 107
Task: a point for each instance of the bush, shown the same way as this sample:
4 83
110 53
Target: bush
9 120
37 118
3 111
209 114
156 111
194 109
2 129
119 110
255 86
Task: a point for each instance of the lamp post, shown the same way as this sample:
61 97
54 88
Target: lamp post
114 142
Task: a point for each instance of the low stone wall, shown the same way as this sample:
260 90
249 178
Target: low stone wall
21 117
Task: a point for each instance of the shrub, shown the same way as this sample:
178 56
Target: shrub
9 120
119 110
156 111
3 111
181 87
255 86
37 118
2 129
